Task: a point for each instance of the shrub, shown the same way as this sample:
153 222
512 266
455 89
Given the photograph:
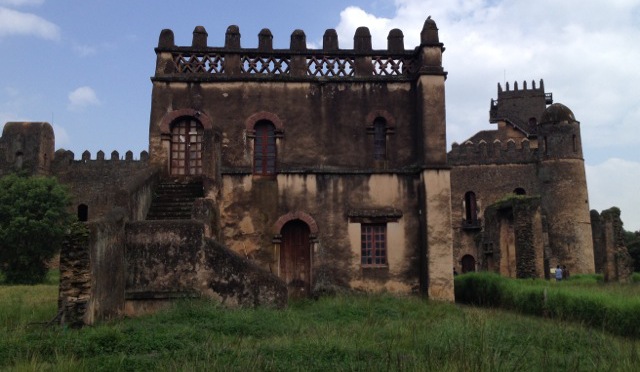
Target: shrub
33 220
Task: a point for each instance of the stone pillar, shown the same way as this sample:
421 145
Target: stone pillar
439 236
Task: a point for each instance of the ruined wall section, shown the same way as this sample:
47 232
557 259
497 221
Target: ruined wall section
92 271
489 183
513 241
26 147
612 256
101 184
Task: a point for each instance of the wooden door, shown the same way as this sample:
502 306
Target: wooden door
186 148
295 258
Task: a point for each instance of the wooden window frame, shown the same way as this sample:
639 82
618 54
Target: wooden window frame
265 149
373 245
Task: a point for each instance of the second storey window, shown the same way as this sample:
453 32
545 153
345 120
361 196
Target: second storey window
264 150
380 139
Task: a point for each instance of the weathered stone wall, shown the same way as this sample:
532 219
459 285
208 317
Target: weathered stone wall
617 264
92 271
490 183
599 245
26 147
74 291
321 122
100 184
250 208
513 240
172 259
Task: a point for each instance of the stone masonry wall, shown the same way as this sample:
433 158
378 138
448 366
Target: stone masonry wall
170 259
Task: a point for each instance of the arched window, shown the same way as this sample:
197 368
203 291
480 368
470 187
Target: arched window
468 263
264 148
470 208
83 213
379 139
19 159
519 191
186 147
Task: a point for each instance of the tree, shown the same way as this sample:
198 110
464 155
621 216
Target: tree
33 221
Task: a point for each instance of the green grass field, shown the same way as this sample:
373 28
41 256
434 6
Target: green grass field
372 332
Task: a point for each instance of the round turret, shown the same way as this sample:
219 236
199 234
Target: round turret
557 113
563 186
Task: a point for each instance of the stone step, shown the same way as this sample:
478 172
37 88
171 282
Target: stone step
174 200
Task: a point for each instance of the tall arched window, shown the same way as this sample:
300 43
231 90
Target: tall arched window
470 208
264 148
379 139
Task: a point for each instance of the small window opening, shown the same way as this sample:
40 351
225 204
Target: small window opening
379 139
520 191
19 159
471 208
83 213
575 143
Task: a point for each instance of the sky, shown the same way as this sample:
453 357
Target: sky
85 66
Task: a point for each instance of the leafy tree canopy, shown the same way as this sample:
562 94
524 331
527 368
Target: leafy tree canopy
33 222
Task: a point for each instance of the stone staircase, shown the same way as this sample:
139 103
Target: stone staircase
173 200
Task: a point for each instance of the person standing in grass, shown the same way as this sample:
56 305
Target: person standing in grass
565 273
558 273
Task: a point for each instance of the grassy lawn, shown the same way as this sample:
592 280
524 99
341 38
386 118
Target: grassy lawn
372 332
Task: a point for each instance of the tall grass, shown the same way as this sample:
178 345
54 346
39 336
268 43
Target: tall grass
584 299
375 332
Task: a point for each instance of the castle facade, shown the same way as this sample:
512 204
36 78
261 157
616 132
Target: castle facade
274 173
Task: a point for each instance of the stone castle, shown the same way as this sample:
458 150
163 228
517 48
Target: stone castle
274 173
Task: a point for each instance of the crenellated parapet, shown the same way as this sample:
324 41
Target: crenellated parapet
520 106
201 62
66 158
496 152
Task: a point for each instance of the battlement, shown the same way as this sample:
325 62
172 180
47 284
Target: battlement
497 152
521 107
202 62
68 157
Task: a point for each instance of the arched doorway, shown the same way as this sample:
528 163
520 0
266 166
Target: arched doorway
295 258
468 263
186 147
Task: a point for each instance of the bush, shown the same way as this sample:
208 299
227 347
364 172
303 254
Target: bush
33 221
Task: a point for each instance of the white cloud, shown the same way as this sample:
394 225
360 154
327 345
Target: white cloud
81 98
13 22
614 183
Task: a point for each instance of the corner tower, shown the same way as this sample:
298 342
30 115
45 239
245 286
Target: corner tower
563 185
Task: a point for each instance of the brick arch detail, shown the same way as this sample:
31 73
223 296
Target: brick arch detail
170 117
297 215
380 113
264 115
